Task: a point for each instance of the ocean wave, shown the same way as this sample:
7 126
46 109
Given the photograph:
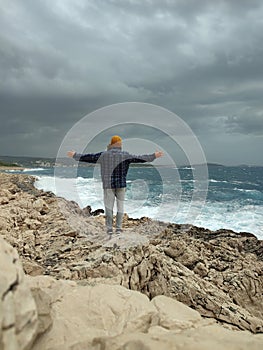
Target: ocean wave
13 170
86 179
245 190
190 180
34 169
254 194
242 183
220 181
238 209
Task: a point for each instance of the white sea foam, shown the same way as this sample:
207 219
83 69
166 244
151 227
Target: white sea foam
34 169
12 171
214 215
213 180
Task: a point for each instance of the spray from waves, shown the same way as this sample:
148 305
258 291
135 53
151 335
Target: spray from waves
232 214
29 170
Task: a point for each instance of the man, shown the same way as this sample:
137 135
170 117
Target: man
114 168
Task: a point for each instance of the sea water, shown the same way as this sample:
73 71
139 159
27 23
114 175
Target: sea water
233 200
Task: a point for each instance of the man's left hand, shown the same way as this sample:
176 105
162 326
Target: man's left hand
159 154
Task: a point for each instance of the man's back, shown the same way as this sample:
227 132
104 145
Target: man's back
114 168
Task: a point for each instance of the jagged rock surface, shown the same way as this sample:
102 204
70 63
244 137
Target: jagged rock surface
18 311
64 315
219 274
113 317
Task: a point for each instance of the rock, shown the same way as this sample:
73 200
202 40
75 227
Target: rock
41 206
18 313
32 268
40 313
87 211
80 314
174 314
202 338
97 212
112 317
201 269
43 303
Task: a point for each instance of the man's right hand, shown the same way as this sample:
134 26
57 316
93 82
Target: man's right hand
71 154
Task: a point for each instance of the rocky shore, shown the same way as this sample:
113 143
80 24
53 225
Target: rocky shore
65 285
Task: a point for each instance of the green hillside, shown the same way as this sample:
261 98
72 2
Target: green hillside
8 164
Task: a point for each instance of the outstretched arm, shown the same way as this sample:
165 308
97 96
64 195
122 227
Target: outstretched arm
90 157
146 157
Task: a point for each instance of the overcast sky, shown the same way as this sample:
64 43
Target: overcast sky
62 59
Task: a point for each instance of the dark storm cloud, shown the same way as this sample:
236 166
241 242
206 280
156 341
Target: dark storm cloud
245 124
62 59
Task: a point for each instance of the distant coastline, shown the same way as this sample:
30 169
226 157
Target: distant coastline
19 162
10 166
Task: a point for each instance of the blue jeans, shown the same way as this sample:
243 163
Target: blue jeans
109 198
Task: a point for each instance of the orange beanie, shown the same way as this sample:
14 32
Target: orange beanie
115 139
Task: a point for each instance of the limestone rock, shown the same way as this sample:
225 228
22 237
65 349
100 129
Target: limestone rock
174 314
32 268
18 313
203 338
43 303
80 314
63 315
112 317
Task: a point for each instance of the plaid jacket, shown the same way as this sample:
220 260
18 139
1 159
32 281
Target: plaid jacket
114 165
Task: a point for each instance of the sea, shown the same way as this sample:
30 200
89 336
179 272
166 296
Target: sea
226 197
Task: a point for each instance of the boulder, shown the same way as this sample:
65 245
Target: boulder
18 311
106 317
81 313
202 338
175 315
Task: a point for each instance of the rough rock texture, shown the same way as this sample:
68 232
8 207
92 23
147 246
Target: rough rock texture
18 312
219 274
200 338
81 314
113 317
72 317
